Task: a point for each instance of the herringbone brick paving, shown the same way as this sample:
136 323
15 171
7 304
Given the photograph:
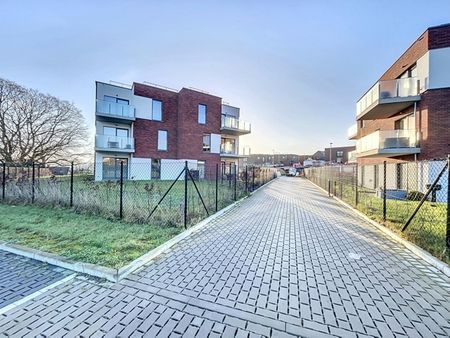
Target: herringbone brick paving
288 261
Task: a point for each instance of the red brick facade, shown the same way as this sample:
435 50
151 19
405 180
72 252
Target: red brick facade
180 120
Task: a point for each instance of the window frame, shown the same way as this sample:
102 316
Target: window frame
205 114
207 148
161 112
158 140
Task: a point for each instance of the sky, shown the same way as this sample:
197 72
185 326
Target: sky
295 68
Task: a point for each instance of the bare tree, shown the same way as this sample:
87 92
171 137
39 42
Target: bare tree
38 127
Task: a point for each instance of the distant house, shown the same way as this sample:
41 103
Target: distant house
338 154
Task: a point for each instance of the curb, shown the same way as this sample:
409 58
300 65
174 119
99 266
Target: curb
111 274
418 251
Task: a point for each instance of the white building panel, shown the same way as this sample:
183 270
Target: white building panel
170 169
439 68
215 143
140 169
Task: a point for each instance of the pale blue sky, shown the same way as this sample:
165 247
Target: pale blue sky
296 68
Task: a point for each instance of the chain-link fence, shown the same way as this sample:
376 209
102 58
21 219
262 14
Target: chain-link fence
411 198
173 193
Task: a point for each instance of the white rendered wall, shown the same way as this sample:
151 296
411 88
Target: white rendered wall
215 143
439 68
140 168
170 169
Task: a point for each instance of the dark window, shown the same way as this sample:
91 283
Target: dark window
201 114
112 131
207 143
156 169
111 168
156 110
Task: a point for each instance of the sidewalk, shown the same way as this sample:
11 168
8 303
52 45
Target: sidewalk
289 261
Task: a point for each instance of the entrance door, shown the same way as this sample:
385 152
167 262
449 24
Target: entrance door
111 168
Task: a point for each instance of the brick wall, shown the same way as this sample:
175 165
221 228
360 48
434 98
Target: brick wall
190 132
146 131
439 37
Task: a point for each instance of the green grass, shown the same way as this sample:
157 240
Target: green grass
81 237
427 230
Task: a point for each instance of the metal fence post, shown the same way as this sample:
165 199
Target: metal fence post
447 237
235 182
229 176
384 191
185 193
246 179
217 186
121 191
253 178
4 181
33 181
356 184
71 184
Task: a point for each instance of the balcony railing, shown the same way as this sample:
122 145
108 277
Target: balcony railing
352 132
114 109
387 140
230 122
388 89
114 143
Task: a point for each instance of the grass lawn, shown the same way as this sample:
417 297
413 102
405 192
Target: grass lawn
81 237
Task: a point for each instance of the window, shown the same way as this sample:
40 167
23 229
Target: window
162 140
405 123
112 131
156 169
111 168
116 100
207 143
201 114
339 153
156 110
228 145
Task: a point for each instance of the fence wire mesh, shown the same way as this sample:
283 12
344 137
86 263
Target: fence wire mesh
174 193
411 198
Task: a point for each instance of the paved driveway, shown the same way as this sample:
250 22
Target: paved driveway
20 277
288 261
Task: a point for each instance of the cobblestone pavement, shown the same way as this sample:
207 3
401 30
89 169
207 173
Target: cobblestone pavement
286 262
20 277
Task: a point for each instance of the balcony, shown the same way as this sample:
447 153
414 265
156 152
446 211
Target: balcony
352 155
114 112
387 98
114 143
388 143
352 132
233 126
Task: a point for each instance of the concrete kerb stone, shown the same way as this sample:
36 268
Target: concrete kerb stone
111 274
418 251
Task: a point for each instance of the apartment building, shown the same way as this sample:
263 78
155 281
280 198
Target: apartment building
405 115
338 154
153 130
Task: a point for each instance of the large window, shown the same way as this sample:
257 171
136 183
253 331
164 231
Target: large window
116 100
112 131
162 140
111 168
156 110
228 145
207 143
201 114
